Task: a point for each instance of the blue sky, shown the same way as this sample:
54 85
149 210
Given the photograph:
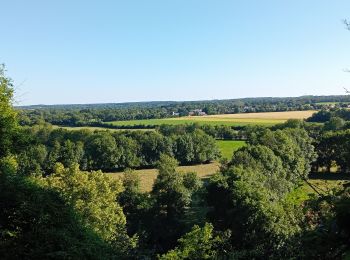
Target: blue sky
116 51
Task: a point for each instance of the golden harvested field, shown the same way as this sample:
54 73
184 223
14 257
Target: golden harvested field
148 176
259 116
263 119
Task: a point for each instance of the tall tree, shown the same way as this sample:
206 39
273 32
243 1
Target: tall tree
8 120
171 197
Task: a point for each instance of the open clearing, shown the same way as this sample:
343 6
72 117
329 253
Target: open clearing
305 192
227 147
265 119
148 176
204 171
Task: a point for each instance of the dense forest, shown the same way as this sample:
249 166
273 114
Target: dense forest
57 203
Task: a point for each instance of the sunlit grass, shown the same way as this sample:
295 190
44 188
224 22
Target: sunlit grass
148 176
227 147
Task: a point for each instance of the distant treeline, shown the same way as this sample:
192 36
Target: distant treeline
222 132
82 115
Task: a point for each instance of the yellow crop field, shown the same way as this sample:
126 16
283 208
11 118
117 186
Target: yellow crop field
258 116
263 119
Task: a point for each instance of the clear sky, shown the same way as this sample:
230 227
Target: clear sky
116 51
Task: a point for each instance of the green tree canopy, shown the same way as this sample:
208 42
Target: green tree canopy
93 195
200 243
171 196
8 116
36 223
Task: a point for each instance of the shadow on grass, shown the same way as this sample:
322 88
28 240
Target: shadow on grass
330 176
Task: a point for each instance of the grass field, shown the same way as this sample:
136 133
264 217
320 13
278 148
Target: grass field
304 192
148 176
264 119
227 147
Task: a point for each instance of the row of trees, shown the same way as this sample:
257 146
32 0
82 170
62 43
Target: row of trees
323 116
216 131
331 140
326 115
110 151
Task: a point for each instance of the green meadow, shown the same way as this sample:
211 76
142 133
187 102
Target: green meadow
227 147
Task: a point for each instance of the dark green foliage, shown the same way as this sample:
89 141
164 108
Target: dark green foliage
295 149
158 218
326 115
333 148
93 196
191 181
152 145
101 152
334 123
71 153
263 159
169 192
262 222
195 147
135 203
326 234
8 116
249 195
171 197
43 147
35 223
129 150
291 123
200 243
32 160
321 116
217 131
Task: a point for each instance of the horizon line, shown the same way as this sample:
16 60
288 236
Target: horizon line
174 101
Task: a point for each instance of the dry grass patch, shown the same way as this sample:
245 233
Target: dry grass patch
148 176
